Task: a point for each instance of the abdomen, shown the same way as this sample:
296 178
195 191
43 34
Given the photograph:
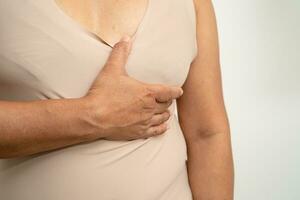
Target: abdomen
138 169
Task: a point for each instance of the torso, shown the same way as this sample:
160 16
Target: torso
45 55
108 19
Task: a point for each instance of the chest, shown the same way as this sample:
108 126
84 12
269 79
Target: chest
108 19
61 59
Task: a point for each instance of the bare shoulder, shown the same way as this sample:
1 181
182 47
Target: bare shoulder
207 33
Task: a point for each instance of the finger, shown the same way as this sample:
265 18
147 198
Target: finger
159 118
118 57
162 106
156 130
164 93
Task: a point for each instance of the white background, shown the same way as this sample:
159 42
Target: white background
260 56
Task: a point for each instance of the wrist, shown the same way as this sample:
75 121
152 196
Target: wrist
89 118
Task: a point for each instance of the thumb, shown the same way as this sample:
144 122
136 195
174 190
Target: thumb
118 57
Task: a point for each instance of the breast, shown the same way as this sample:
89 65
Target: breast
65 61
50 61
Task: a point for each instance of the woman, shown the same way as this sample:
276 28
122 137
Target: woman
84 115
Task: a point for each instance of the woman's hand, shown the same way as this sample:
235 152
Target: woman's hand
124 108
116 107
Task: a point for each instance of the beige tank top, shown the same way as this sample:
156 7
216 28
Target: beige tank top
45 54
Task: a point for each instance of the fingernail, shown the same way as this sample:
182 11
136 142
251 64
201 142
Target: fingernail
181 92
126 38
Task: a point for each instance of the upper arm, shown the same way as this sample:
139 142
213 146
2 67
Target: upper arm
201 108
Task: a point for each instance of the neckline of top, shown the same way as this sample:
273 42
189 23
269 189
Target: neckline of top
92 35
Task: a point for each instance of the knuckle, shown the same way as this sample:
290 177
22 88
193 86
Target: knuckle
151 103
149 99
144 117
163 127
141 132
142 101
150 131
156 131
146 120
120 46
149 92
163 118
145 128
167 116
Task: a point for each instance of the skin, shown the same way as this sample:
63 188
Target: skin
140 111
201 109
203 117
109 20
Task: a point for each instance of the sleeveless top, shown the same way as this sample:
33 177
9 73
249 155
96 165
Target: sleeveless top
45 54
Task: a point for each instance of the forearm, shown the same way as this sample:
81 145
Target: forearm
210 167
35 126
